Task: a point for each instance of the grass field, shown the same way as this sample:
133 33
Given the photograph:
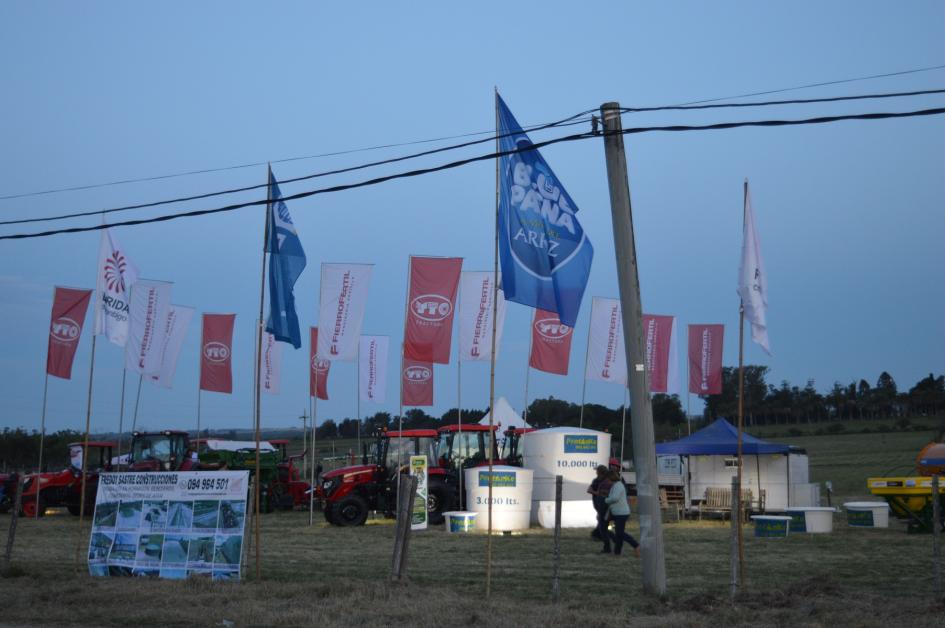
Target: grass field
338 577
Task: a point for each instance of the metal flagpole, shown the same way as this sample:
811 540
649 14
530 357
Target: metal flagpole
495 302
459 388
688 392
304 418
528 370
358 395
741 407
42 438
587 351
313 400
198 411
121 411
403 346
85 457
259 331
134 419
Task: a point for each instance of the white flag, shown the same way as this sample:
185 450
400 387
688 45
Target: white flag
178 320
672 382
150 301
343 299
372 368
115 275
271 366
606 361
475 316
752 280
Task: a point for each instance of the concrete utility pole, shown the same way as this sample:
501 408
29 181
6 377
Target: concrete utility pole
641 411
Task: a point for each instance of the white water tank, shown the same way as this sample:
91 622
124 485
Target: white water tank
573 453
511 497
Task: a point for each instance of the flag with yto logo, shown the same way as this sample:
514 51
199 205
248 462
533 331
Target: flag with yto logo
286 263
551 343
705 359
752 279
546 256
343 299
216 349
606 353
659 344
318 369
476 294
372 364
176 325
431 299
115 275
147 329
416 383
270 367
65 329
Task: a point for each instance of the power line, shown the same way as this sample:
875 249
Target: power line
438 139
569 121
488 156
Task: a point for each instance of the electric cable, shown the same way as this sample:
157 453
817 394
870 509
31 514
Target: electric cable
488 156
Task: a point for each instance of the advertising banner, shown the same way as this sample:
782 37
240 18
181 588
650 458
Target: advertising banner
169 524
271 367
150 302
476 293
657 338
65 329
419 516
551 343
113 280
216 373
317 369
416 383
606 353
705 359
431 301
372 364
178 320
342 301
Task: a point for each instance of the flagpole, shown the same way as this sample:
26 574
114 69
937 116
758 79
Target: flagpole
259 330
85 456
42 438
688 392
121 410
528 370
495 303
403 347
623 421
459 387
357 393
200 366
313 401
741 407
134 420
198 411
587 351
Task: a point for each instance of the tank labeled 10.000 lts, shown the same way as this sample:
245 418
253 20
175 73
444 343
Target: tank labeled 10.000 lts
511 497
573 453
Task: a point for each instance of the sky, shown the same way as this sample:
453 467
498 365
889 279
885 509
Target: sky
849 214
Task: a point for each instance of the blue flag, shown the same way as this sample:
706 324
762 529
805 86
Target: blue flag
545 254
286 263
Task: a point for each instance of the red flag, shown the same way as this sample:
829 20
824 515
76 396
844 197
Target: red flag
65 328
317 370
416 383
551 343
705 359
657 334
431 301
216 374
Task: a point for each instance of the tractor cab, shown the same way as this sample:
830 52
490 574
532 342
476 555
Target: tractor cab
290 481
64 488
511 450
464 446
158 451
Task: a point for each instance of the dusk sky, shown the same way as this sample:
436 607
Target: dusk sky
850 215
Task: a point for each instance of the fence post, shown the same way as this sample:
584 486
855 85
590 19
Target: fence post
937 537
736 521
14 514
407 493
555 581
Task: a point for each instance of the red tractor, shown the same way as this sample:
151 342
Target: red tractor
64 488
158 451
511 449
290 482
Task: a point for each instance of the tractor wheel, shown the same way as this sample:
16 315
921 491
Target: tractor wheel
329 516
28 507
437 503
279 496
350 511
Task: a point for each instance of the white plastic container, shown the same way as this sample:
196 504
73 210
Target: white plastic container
571 452
813 519
574 514
460 521
511 497
867 514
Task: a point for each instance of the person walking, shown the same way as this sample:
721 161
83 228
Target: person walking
619 510
599 489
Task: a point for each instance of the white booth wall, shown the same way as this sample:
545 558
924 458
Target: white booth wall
770 470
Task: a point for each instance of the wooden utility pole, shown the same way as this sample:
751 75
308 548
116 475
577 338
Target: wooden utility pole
641 411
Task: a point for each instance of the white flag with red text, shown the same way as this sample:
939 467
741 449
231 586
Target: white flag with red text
476 293
752 279
343 299
147 329
271 365
606 353
178 321
114 277
372 376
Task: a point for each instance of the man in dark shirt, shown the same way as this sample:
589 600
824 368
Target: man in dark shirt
599 489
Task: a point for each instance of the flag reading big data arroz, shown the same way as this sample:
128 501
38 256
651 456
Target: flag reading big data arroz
546 256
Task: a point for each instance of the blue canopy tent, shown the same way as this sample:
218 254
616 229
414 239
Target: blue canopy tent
709 459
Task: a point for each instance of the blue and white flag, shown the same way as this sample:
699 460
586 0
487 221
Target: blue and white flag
545 254
286 263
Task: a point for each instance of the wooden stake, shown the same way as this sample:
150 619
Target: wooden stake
14 515
42 438
556 560
937 537
85 456
736 527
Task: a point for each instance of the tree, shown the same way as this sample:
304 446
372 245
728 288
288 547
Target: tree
667 409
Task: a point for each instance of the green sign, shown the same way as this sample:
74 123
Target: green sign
580 444
860 518
504 479
419 516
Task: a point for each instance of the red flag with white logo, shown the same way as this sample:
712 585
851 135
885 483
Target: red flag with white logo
551 343
705 359
317 369
431 300
65 329
657 338
216 344
416 383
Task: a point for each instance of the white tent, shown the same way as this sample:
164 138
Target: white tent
504 415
